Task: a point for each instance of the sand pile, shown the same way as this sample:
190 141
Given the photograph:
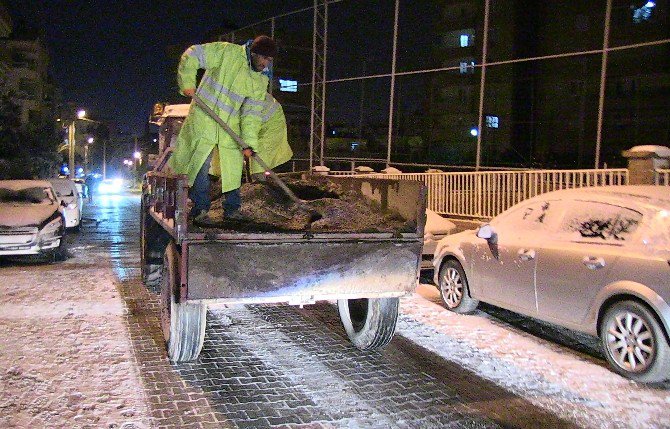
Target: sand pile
266 207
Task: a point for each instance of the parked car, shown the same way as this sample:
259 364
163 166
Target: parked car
82 189
67 191
31 219
595 260
436 228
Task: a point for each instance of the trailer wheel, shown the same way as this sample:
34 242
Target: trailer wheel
369 322
183 323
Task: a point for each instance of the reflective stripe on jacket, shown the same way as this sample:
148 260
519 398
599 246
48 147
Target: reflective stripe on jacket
236 93
273 147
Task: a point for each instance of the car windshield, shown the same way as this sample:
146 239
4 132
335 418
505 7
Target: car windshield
35 195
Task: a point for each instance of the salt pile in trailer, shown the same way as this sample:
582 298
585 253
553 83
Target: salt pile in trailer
266 208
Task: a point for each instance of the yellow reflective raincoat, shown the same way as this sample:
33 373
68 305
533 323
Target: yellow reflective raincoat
273 147
236 93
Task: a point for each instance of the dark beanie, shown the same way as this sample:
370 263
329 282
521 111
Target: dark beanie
263 45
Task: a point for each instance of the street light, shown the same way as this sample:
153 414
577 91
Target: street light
81 115
88 141
71 132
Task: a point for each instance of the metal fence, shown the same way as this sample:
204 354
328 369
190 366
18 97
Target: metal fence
483 195
453 83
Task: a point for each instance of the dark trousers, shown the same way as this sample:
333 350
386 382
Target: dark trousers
199 193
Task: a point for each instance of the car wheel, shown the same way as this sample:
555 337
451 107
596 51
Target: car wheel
634 342
453 287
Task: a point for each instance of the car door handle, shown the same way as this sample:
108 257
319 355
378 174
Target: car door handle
526 254
593 262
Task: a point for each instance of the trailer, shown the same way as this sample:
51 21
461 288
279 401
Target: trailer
197 268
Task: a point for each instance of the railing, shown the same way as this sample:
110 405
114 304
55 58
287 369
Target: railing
662 176
483 195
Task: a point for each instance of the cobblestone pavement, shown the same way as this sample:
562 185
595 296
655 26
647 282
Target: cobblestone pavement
281 366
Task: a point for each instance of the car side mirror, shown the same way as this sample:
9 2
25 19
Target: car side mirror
487 233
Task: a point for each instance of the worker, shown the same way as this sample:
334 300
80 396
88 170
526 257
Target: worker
234 86
273 148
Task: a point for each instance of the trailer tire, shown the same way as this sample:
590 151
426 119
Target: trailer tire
369 322
183 324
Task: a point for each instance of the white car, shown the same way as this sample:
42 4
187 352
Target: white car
592 259
67 191
31 219
436 229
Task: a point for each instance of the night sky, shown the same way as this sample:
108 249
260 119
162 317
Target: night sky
110 57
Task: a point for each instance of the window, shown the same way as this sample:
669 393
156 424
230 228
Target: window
491 121
599 223
286 85
533 217
467 67
464 40
643 13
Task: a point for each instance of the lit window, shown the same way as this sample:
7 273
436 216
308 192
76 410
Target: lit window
286 85
467 67
465 39
643 13
491 121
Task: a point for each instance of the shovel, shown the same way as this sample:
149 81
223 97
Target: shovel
314 215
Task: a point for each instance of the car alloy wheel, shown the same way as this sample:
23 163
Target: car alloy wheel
630 341
451 287
454 288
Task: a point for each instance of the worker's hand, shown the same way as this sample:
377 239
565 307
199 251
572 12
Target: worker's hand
189 92
248 152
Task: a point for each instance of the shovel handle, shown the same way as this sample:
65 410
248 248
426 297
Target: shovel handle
243 146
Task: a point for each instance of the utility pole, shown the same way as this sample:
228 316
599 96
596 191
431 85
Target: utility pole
70 140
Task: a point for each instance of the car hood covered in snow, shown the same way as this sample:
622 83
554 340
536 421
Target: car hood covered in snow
15 215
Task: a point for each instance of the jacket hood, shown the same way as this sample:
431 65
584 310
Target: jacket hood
15 215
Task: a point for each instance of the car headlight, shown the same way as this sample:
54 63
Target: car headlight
52 229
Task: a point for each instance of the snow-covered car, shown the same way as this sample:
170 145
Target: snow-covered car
436 229
31 219
67 191
595 260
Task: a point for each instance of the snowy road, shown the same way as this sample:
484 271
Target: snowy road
80 346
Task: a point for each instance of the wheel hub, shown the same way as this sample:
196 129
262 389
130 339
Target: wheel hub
630 342
452 287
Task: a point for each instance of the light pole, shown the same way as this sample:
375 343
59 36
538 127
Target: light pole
104 159
71 143
89 141
138 161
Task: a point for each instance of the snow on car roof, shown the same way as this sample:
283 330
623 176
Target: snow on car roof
650 194
62 184
16 185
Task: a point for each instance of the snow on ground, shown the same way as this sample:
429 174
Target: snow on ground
565 382
65 353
